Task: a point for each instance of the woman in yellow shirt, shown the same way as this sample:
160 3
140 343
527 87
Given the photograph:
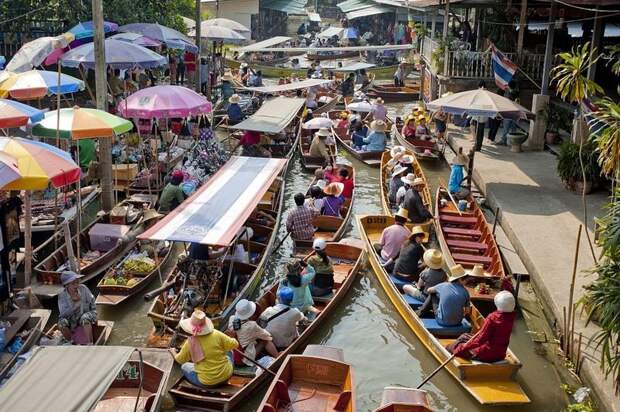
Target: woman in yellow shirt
203 356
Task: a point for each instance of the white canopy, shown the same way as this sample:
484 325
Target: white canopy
331 32
273 116
334 49
289 86
314 16
264 44
354 67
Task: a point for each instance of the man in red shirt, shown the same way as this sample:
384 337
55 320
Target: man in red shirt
491 341
348 183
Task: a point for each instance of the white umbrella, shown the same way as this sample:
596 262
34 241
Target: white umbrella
363 107
478 102
318 122
226 23
217 33
189 23
32 54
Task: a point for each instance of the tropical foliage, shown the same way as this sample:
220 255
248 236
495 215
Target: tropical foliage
570 76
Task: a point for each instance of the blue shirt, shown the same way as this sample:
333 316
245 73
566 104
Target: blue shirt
453 297
234 112
456 177
375 141
302 298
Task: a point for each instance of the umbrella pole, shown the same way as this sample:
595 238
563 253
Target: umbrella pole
78 215
90 92
27 238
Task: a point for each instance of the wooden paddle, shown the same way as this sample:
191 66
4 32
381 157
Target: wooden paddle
443 183
253 361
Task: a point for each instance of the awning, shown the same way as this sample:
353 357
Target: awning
330 32
314 16
64 378
369 11
264 44
215 213
354 67
289 86
350 5
286 6
273 116
335 49
400 3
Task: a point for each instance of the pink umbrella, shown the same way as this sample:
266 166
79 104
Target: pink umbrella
164 102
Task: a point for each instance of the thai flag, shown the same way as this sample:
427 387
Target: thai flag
503 68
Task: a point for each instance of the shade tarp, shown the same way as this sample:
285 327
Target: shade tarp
335 49
350 5
289 86
264 44
314 16
273 116
330 32
478 102
286 6
369 11
354 67
215 213
64 378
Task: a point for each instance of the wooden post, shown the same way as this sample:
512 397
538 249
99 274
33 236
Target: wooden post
433 23
470 168
571 294
198 44
27 239
597 33
522 27
446 20
549 50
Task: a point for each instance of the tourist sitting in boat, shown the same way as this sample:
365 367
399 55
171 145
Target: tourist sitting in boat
256 79
311 102
360 131
422 131
253 340
318 147
199 251
409 129
491 341
203 355
396 183
309 116
77 310
299 277
348 86
449 300
234 112
315 201
377 139
396 153
328 172
418 212
324 279
319 176
249 140
407 266
379 111
457 176
343 120
173 194
227 87
299 220
244 72
347 181
392 239
281 319
429 277
333 200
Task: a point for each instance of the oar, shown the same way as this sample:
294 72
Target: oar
442 183
282 241
253 361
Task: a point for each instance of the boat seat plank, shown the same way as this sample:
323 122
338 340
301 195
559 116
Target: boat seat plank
458 220
465 244
472 259
461 232
341 271
411 301
439 330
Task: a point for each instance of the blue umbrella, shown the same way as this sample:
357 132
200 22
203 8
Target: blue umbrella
349 33
172 38
86 29
118 55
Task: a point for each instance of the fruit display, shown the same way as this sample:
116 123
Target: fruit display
130 271
139 264
482 288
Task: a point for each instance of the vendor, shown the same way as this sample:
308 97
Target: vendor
77 310
235 114
199 251
172 195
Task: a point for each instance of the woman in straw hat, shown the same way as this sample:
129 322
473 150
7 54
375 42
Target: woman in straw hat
333 200
408 266
491 342
318 147
203 355
422 131
378 112
457 176
392 239
412 201
376 140
431 276
343 120
234 112
409 128
226 86
449 300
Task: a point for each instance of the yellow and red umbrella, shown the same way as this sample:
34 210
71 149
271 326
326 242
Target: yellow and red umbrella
15 114
35 84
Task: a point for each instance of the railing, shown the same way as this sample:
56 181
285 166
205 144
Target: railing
428 46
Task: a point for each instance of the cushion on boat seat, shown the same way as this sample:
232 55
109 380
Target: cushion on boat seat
411 301
439 330
397 282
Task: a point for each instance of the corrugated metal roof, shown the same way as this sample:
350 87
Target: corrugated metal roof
350 5
286 6
369 11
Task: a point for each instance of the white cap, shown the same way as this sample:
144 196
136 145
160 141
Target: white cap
319 244
505 301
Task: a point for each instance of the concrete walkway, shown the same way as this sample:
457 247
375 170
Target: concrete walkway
541 218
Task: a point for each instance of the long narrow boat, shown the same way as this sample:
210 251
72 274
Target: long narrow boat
391 93
423 149
347 261
386 175
488 383
326 102
465 238
397 399
115 294
101 332
319 371
333 56
331 228
246 193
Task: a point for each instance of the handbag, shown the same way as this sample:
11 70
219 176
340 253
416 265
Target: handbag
264 322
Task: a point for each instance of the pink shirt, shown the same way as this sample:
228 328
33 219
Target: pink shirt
392 239
379 112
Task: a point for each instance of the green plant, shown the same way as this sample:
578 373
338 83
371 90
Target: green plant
420 29
569 167
438 55
570 75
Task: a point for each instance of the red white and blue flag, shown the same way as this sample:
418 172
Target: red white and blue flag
503 68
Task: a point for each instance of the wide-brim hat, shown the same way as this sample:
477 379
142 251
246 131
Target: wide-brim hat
397 150
245 309
457 272
68 277
197 325
151 214
398 170
344 115
460 159
402 212
406 159
433 259
378 125
235 98
228 76
334 189
412 180
477 270
378 100
417 230
323 132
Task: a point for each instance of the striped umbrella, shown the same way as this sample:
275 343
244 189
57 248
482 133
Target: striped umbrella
35 84
15 114
9 171
79 123
39 164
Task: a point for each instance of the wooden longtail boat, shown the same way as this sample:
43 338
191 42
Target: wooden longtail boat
488 383
386 175
465 238
318 380
307 161
330 103
333 56
331 228
391 93
112 295
101 332
423 149
347 261
397 399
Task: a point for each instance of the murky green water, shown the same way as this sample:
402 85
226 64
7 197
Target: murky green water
381 348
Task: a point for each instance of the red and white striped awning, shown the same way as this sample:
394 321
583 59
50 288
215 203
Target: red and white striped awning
215 213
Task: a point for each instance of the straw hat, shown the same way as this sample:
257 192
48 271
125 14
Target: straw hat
378 100
197 325
397 150
433 259
457 272
398 170
505 301
245 309
478 270
402 212
377 125
323 132
228 76
460 159
411 180
68 277
151 214
334 189
344 115
235 98
421 118
417 230
409 118
406 159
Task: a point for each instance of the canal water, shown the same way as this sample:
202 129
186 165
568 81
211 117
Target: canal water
376 341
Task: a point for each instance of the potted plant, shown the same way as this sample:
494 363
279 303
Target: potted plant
569 166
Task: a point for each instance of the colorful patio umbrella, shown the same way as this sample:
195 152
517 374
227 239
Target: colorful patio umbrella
80 123
136 38
172 38
34 53
39 164
9 171
478 102
118 55
15 114
217 33
85 30
226 23
164 102
35 84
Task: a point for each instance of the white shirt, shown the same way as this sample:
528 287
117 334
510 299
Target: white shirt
316 204
400 194
283 329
